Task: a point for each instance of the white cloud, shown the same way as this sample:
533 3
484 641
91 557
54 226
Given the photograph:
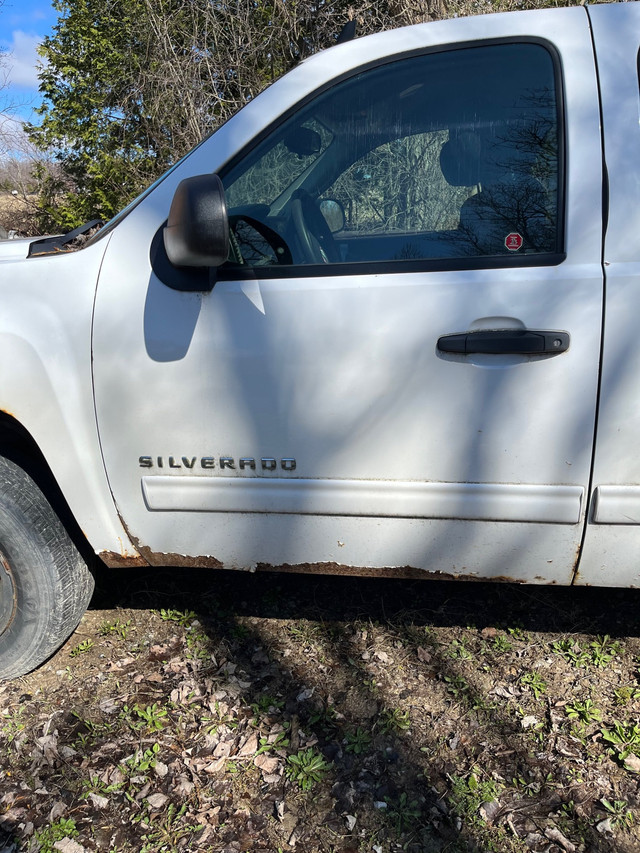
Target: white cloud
21 59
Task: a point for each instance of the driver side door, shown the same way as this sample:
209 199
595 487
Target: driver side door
410 386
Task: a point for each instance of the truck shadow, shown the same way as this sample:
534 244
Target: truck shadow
411 718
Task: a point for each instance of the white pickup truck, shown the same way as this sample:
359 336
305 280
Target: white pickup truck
384 321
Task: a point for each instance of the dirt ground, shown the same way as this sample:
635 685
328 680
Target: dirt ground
213 711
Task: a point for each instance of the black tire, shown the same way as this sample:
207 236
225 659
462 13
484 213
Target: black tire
45 585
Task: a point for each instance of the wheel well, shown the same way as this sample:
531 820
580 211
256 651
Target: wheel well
18 445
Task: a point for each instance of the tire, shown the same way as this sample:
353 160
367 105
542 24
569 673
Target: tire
45 585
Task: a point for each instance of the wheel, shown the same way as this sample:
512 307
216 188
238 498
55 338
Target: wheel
45 585
312 230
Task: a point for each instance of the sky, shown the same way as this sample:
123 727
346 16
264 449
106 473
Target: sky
23 25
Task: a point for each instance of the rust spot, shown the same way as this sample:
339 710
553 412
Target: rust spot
122 561
404 572
158 558
180 560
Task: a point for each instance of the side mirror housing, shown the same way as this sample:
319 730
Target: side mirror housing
197 230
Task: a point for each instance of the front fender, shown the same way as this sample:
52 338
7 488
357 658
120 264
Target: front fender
46 381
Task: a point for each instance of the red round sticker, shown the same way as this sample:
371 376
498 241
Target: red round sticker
513 241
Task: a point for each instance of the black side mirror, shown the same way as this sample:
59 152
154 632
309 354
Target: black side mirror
197 231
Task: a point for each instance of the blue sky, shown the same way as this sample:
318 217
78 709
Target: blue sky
23 25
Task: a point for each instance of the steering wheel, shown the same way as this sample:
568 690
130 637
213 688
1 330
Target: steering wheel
312 230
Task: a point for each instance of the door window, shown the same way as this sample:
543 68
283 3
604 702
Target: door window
448 155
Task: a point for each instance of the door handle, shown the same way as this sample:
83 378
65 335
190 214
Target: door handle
506 342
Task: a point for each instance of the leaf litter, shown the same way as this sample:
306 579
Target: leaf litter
277 713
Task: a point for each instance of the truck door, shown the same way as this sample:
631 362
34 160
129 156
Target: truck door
398 365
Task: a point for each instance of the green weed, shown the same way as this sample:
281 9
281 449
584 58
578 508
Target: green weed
307 767
82 648
456 685
535 683
394 720
120 629
604 650
402 812
624 695
152 718
357 741
180 617
585 712
48 836
458 650
620 814
625 740
167 832
469 793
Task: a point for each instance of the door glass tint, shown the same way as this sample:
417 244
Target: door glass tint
445 155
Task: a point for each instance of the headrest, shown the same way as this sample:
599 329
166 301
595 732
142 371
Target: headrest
461 159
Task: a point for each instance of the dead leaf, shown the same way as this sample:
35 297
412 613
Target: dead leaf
223 749
214 767
249 747
266 763
157 801
490 810
57 810
632 763
68 845
98 801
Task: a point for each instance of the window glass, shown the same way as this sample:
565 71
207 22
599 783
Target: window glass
445 155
